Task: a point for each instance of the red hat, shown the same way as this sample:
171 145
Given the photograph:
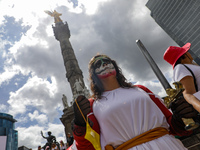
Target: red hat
173 53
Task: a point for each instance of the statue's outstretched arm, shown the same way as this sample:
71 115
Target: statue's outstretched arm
42 135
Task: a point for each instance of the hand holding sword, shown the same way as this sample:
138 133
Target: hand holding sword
173 94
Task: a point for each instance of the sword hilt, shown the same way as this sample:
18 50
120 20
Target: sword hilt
173 95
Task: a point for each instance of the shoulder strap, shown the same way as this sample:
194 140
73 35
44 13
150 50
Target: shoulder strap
157 101
195 84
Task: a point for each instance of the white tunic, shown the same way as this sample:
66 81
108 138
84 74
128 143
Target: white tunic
125 113
180 71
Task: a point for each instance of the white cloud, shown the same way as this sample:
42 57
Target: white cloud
23 120
91 5
9 73
30 11
30 137
38 93
40 118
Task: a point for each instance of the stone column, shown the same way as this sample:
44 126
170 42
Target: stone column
74 74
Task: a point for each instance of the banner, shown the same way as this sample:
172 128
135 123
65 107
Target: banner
3 142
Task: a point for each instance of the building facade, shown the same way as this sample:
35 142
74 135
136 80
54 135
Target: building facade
7 130
23 148
180 19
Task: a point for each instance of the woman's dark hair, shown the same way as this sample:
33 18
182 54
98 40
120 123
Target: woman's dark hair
95 84
179 60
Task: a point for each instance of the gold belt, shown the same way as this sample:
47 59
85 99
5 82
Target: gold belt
142 138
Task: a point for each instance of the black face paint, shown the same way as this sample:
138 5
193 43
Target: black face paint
100 62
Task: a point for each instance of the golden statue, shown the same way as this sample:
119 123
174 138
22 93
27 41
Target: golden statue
54 14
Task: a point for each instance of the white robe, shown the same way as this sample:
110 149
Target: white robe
125 113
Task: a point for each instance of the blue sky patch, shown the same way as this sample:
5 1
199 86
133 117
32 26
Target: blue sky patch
14 84
12 30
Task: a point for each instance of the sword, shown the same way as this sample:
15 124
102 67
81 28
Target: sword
173 94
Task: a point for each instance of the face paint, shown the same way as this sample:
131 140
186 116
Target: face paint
100 61
104 68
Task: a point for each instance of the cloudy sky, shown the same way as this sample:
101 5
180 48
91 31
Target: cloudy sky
32 73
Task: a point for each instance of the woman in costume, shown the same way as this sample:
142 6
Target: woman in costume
124 115
186 71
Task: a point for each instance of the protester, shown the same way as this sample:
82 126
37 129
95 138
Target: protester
62 145
47 148
186 71
121 113
70 139
67 145
54 146
40 148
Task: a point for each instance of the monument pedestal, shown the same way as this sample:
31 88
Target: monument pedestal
67 118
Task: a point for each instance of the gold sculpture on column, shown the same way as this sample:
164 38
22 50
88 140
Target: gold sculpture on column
54 14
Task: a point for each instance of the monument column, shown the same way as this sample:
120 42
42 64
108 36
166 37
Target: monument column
73 72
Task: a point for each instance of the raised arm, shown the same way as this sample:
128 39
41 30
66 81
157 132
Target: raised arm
79 125
43 135
188 85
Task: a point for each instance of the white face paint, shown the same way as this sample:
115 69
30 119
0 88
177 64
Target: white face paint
106 69
103 69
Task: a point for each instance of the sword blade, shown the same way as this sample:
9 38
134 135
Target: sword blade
154 66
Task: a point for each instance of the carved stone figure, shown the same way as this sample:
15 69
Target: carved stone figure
78 87
64 100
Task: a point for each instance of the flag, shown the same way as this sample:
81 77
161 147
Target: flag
91 135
